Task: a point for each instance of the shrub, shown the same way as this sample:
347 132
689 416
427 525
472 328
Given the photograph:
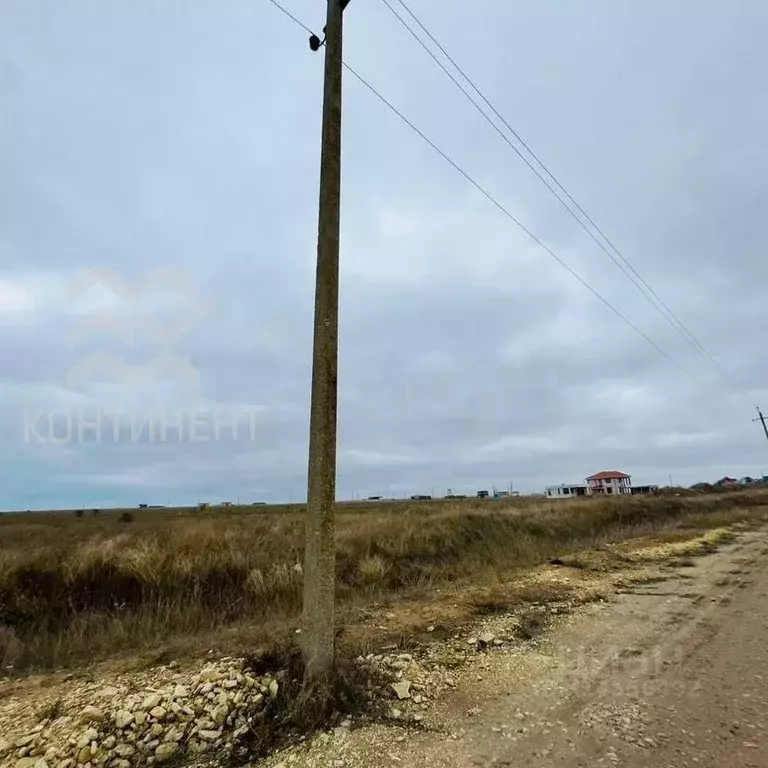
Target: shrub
126 517
372 571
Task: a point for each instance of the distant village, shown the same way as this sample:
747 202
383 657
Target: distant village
732 482
614 482
606 483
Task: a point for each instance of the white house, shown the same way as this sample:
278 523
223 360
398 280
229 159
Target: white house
612 482
565 491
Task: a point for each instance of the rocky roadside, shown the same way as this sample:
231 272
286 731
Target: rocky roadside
129 722
166 714
421 680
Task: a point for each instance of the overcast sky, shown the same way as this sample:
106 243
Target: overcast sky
144 135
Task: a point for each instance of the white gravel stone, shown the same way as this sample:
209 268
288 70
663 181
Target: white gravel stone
125 750
86 738
402 689
152 701
165 751
91 715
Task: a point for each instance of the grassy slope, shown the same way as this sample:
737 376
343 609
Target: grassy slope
74 589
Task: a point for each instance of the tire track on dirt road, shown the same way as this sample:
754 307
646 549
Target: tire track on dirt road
670 673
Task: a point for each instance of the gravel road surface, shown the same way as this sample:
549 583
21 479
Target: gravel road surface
669 674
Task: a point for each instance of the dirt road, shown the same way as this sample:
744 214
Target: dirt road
669 674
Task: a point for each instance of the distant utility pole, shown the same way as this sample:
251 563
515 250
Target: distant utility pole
761 419
320 557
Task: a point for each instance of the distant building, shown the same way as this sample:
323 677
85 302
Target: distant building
608 482
565 491
611 482
643 489
726 482
482 494
751 481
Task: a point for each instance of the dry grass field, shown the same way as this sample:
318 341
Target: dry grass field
76 589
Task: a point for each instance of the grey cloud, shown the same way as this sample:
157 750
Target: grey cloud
152 135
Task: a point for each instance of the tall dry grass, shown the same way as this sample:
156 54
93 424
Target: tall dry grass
78 588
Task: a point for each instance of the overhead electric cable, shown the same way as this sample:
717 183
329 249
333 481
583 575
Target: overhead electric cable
494 201
614 253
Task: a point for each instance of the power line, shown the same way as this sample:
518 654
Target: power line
509 215
494 201
614 254
291 17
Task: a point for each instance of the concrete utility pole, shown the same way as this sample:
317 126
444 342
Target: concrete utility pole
761 419
320 557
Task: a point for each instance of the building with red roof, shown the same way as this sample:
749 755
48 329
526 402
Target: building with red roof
610 481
